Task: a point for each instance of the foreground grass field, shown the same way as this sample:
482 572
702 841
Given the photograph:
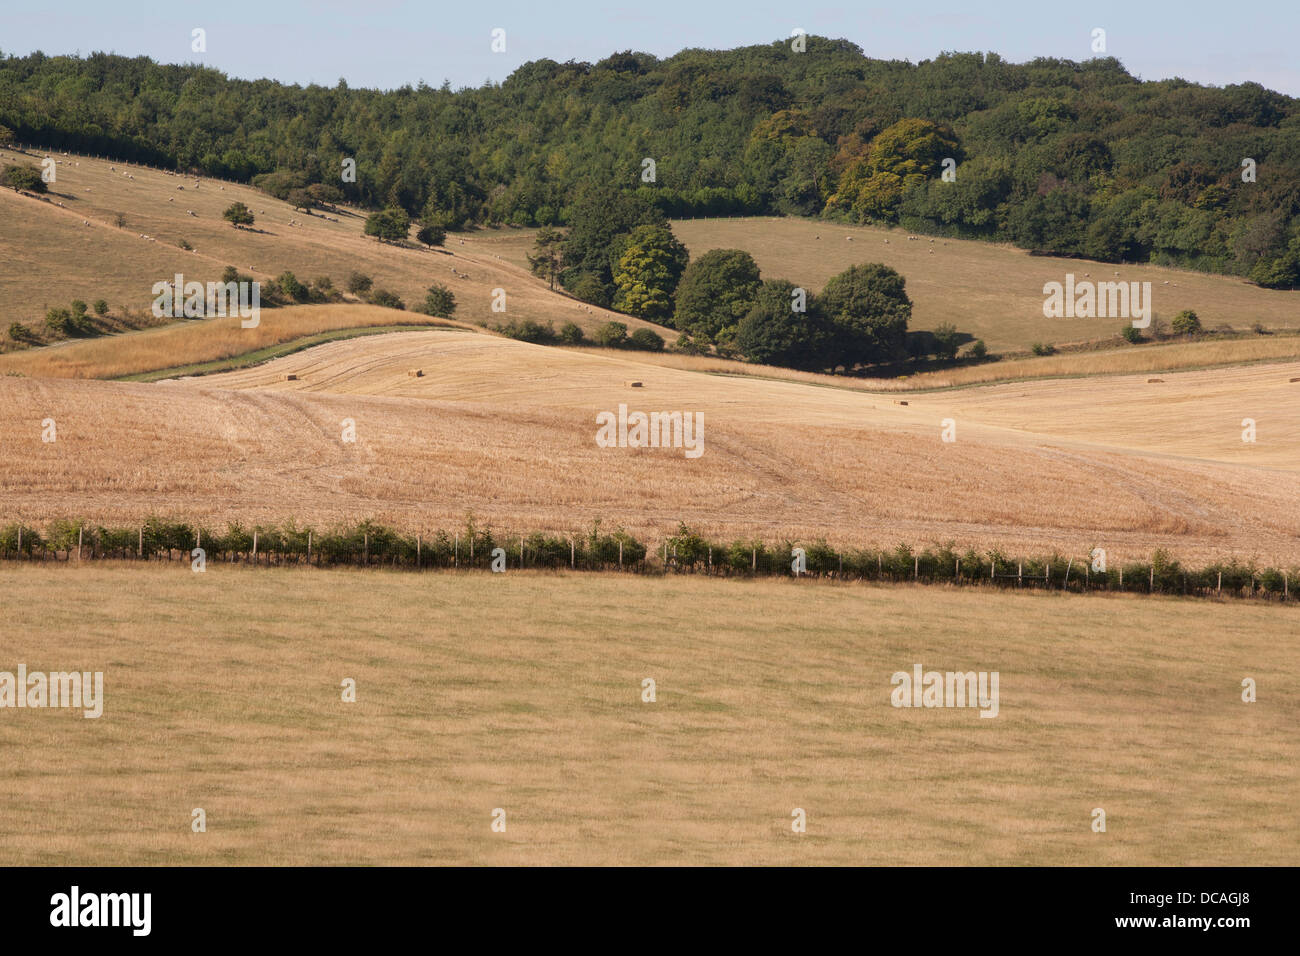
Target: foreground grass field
523 692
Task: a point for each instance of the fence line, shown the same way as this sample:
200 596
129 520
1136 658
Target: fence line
371 545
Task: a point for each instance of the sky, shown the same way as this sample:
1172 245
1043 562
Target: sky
390 43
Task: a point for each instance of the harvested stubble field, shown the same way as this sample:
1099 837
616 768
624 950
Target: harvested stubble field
506 430
523 691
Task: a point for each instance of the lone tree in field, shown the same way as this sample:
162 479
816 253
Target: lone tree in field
440 302
238 215
547 259
869 307
716 292
388 225
1185 322
431 234
6 136
24 178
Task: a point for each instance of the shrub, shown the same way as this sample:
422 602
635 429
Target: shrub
1131 335
529 331
238 214
388 300
647 340
21 333
431 234
23 177
978 349
388 225
359 283
946 342
291 287
59 321
440 301
571 333
79 309
1039 348
612 335
1186 322
100 307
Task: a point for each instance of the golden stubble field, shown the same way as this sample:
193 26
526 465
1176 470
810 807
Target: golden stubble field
523 692
506 430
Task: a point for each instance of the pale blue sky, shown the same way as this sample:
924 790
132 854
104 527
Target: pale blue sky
386 43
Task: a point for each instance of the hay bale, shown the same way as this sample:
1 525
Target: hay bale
1295 379
1154 381
415 373
897 402
633 385
291 377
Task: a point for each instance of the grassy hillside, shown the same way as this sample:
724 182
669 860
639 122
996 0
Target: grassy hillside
55 253
769 696
988 291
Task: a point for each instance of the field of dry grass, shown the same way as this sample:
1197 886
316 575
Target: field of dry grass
993 292
506 430
48 257
523 692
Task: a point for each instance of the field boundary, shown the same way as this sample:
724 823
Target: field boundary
373 545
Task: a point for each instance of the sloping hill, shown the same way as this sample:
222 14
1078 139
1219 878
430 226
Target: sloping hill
69 247
987 290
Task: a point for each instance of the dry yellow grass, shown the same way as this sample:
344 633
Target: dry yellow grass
48 258
207 340
523 691
507 430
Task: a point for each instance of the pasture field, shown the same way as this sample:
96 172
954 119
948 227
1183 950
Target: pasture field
506 431
989 291
523 692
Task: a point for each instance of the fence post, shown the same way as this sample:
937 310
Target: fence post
255 547
1151 580
1067 574
1121 577
1020 573
140 552
573 559
1219 590
753 559
916 567
455 554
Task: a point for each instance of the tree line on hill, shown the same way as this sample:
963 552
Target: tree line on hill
1075 158
620 252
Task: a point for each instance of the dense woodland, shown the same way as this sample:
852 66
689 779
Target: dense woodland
1076 158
